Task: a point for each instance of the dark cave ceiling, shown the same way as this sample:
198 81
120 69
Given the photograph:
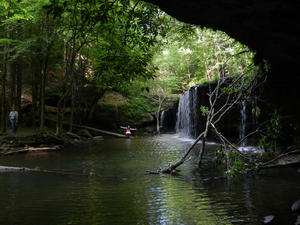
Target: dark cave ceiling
270 28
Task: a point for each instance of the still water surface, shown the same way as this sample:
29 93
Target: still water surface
123 193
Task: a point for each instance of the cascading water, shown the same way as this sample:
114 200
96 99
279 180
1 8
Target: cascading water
189 121
242 129
162 118
188 113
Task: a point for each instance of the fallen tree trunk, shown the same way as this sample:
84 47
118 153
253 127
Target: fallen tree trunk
287 159
11 169
13 150
184 158
100 131
95 129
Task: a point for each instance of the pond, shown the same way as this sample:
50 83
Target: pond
121 192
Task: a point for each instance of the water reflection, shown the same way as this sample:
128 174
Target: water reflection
122 193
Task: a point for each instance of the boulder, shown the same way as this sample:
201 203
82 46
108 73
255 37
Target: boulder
112 98
268 219
297 221
97 138
146 119
113 110
296 206
84 133
107 112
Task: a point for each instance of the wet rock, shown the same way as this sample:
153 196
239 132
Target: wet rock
146 118
297 221
296 206
149 130
268 219
72 135
84 133
110 111
113 110
98 138
76 141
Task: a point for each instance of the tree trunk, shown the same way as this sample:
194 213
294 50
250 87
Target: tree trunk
10 73
160 102
72 109
3 98
35 91
42 98
43 86
59 122
200 157
19 86
4 115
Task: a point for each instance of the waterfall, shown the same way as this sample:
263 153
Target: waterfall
188 113
243 116
162 118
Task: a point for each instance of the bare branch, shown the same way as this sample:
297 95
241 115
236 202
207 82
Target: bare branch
228 142
248 135
184 158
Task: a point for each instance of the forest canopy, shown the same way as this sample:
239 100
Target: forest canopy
122 45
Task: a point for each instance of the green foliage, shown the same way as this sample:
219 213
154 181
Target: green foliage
126 46
256 112
236 167
204 110
185 62
118 70
231 155
120 41
236 164
137 106
271 136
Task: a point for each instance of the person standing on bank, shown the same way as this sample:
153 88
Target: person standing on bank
13 117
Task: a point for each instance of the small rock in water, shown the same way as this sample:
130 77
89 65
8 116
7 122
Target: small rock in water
298 221
296 206
268 219
98 138
298 170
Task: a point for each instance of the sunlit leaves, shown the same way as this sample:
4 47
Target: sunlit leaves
193 55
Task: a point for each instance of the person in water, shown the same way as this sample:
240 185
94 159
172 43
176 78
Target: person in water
128 130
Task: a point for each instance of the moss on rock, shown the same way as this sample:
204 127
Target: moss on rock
113 110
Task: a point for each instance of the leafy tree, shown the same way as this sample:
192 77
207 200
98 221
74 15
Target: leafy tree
69 42
187 61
